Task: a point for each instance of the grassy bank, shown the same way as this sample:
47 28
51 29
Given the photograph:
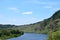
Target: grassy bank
54 35
5 34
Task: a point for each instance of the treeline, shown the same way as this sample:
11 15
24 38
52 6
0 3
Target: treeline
48 26
7 26
9 33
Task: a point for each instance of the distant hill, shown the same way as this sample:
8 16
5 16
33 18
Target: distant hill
50 24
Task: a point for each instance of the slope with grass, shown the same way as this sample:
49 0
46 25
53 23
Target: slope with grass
51 24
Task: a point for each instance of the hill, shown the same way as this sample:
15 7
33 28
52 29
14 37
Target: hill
50 24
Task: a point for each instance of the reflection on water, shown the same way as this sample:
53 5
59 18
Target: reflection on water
30 36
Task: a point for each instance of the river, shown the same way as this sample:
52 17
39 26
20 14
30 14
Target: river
31 36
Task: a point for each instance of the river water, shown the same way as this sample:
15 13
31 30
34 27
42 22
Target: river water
31 36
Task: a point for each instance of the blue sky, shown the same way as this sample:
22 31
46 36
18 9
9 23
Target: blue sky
21 12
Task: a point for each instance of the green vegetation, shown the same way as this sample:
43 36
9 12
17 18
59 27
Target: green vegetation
48 26
45 26
9 33
54 35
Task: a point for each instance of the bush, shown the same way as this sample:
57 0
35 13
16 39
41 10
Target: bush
54 35
10 33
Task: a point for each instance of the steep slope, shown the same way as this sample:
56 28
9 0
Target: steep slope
56 15
50 24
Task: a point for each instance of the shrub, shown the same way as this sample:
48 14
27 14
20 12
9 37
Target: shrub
54 35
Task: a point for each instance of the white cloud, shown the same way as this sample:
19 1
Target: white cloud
14 9
27 13
55 9
41 2
45 4
35 19
48 7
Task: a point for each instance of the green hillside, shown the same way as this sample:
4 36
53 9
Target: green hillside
49 26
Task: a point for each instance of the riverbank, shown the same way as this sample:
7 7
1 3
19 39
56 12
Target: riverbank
31 36
6 34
